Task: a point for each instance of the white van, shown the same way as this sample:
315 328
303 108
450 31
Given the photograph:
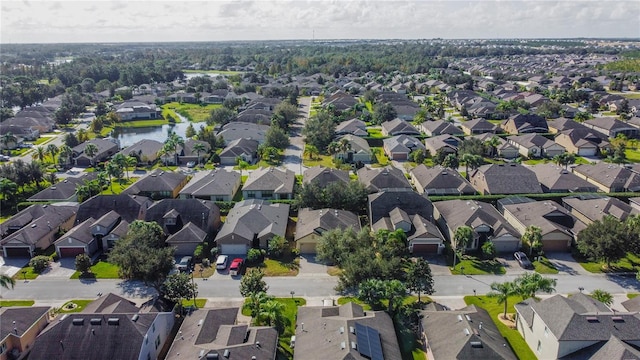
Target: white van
221 262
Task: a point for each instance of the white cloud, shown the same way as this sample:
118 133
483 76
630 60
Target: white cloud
103 20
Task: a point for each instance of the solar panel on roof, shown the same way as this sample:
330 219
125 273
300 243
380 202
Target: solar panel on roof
369 342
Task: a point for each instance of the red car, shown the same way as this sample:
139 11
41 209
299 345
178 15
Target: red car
236 267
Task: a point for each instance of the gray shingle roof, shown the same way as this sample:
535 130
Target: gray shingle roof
398 126
64 189
439 180
318 221
381 179
24 318
156 181
382 203
280 181
127 206
473 214
554 178
211 183
324 175
255 217
547 215
505 179
34 222
596 207
610 175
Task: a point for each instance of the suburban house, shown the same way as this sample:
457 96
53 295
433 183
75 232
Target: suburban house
582 141
635 202
214 185
35 227
269 183
525 123
478 126
611 127
439 127
254 116
137 110
130 336
187 223
487 224
243 148
344 332
19 328
577 327
145 151
243 130
609 177
535 146
504 179
129 207
632 304
439 181
186 153
447 143
313 223
355 127
106 148
563 124
502 149
64 190
217 334
20 132
34 117
407 211
556 179
465 334
383 179
559 228
158 184
78 240
111 304
398 126
251 224
359 150
590 208
323 176
399 147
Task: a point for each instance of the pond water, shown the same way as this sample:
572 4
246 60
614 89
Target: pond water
129 136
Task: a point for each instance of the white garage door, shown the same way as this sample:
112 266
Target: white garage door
233 249
307 248
506 246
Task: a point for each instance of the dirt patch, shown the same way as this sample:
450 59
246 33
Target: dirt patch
509 320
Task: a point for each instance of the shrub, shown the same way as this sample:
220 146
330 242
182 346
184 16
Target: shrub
213 252
254 256
276 246
197 253
206 262
39 263
83 263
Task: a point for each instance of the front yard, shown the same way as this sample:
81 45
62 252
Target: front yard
74 306
100 270
286 266
513 337
631 263
473 266
9 303
26 273
193 112
544 266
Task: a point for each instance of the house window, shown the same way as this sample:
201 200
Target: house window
153 327
546 331
3 348
539 348
251 194
267 194
157 341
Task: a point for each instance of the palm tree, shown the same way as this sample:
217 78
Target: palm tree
8 188
52 149
242 165
462 238
173 141
345 146
102 179
272 311
602 296
7 139
83 191
533 237
65 154
198 148
502 291
39 153
91 150
121 161
6 281
529 283
132 162
493 145
255 302
113 170
310 151
34 169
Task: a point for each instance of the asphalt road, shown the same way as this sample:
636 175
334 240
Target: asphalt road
303 286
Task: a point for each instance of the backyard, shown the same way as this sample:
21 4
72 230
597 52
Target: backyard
193 112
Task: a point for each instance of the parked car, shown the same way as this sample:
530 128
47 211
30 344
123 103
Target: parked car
236 267
185 263
523 260
191 164
221 262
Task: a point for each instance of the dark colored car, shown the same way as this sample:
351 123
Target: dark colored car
185 264
523 260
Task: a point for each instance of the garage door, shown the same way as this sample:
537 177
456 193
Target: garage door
587 151
506 246
399 156
307 248
558 245
233 249
425 248
17 251
71 251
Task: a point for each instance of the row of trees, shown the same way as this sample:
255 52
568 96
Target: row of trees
525 286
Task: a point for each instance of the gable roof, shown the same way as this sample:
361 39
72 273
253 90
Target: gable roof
143 148
479 124
356 127
34 222
410 202
398 126
468 333
532 140
474 214
189 233
554 178
323 175
439 127
243 130
211 183
610 175
358 144
199 212
546 215
215 330
127 206
381 179
255 217
402 143
80 232
280 181
595 207
505 179
110 304
612 349
318 221
526 123
19 319
440 180
64 189
157 180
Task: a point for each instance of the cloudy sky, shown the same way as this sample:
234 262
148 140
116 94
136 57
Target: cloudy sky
49 21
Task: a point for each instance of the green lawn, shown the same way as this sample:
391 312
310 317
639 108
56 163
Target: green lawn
200 302
478 267
116 187
30 274
376 133
544 266
630 263
347 299
144 123
290 311
80 305
101 270
515 340
193 112
283 267
221 72
381 158
9 303
631 296
536 161
632 155
319 160
43 140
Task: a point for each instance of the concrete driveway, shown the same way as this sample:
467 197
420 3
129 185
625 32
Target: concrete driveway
566 264
62 268
11 266
310 267
511 265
